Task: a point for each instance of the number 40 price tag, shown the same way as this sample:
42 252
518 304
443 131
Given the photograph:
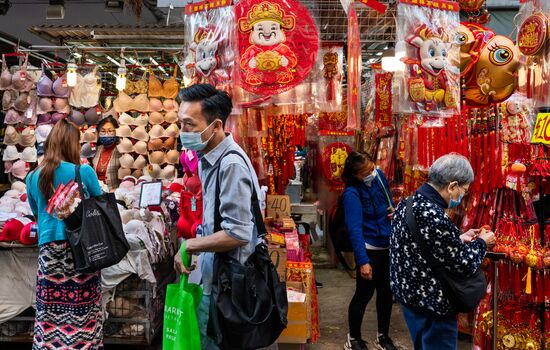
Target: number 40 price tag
278 205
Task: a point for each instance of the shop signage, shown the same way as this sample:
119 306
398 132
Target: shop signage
383 101
278 206
435 4
532 34
541 134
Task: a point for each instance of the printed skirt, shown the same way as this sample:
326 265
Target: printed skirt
68 303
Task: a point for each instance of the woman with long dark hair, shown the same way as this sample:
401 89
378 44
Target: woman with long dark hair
368 209
68 303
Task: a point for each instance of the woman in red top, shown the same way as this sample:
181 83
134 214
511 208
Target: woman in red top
107 159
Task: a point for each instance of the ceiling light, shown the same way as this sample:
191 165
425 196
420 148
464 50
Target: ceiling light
379 53
121 76
4 6
56 9
71 74
114 5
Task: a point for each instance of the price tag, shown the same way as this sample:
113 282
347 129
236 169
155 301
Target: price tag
278 206
23 75
541 133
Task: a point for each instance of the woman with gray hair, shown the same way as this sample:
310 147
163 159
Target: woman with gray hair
428 313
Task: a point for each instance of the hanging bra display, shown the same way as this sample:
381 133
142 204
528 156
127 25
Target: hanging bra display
85 94
48 88
20 80
136 87
124 103
167 89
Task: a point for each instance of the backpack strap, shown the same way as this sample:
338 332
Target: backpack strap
385 190
256 211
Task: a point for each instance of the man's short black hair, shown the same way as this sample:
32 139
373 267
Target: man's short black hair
215 104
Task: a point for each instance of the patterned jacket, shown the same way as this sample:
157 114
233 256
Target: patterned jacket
412 280
111 176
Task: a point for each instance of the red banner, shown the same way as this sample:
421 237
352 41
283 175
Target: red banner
383 101
435 4
375 5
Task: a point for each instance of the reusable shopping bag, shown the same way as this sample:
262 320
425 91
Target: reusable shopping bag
181 330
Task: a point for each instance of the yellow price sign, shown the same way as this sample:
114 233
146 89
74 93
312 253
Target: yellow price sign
541 133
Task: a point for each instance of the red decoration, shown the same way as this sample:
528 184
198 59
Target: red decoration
383 99
533 34
354 68
278 44
334 158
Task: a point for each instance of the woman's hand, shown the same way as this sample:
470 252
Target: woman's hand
469 236
366 271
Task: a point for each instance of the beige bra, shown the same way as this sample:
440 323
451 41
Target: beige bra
124 103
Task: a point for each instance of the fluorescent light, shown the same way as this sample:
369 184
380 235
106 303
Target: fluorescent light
112 60
379 54
157 64
77 55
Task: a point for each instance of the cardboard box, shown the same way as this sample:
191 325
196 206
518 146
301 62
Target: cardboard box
278 257
297 329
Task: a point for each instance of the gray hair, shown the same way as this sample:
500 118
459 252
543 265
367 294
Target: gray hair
449 168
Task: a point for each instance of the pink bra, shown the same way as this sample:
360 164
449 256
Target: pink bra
13 117
21 80
5 77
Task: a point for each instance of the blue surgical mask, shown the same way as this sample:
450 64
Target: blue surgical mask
107 140
193 140
369 178
454 203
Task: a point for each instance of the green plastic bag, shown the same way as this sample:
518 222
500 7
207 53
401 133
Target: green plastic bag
180 329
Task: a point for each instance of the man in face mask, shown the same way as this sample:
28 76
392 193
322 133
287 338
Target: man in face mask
202 114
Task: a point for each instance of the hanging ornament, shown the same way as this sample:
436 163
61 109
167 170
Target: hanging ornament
533 34
470 5
493 78
333 161
278 44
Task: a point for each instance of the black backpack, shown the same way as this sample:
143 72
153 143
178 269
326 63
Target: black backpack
338 232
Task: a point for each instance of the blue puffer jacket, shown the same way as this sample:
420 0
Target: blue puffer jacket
366 216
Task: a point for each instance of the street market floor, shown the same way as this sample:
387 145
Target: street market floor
334 297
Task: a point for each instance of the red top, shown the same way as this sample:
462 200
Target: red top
103 163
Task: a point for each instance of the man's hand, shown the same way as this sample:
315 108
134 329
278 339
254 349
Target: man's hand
178 263
366 271
469 236
488 237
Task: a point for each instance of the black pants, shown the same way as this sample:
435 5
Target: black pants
380 263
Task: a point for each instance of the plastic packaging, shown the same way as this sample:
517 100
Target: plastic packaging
208 46
277 45
431 78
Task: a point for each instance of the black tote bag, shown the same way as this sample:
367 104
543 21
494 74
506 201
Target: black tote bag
463 293
95 232
249 305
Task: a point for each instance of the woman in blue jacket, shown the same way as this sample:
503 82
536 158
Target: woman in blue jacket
368 210
68 303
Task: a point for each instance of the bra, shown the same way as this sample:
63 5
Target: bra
124 103
11 136
90 135
86 92
22 102
42 132
60 88
168 89
135 87
123 173
138 133
13 117
57 117
158 118
7 99
28 138
93 115
5 77
159 144
77 117
129 162
88 150
61 105
167 105
141 120
21 80
45 118
157 131
159 157
126 146
44 85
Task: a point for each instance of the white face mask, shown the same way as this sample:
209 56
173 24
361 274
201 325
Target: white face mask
193 140
369 178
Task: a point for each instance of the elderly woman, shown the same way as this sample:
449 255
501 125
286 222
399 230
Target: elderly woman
428 313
